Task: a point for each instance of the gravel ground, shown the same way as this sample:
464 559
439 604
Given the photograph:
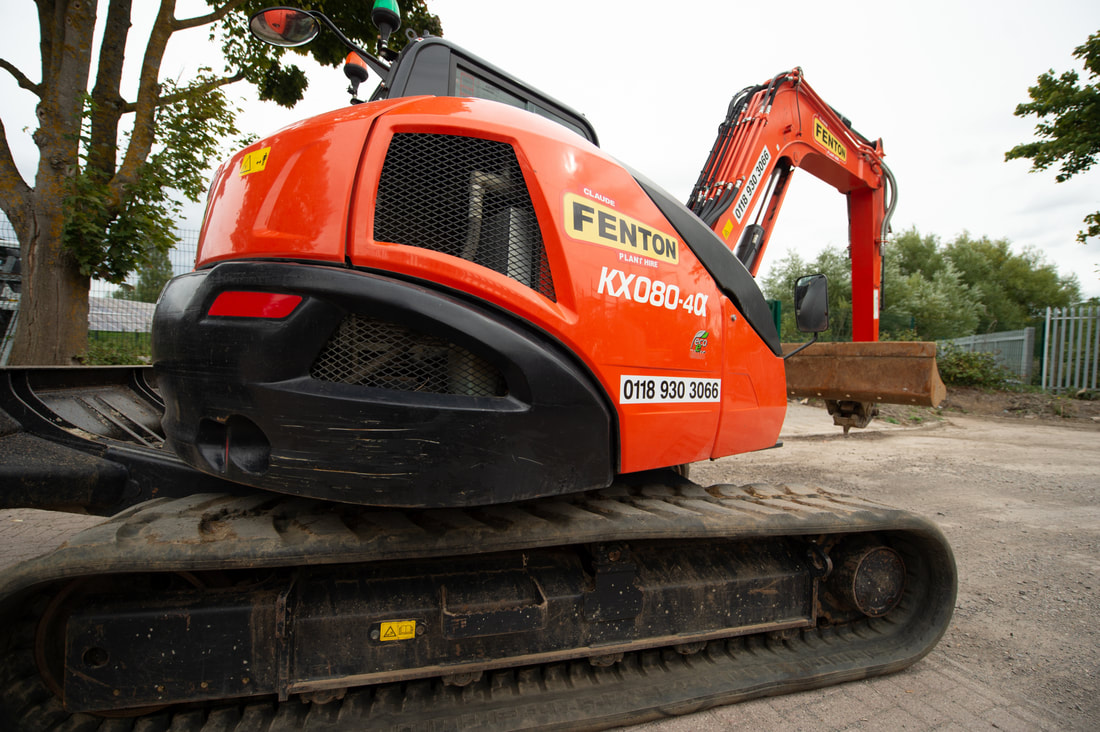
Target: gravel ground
1018 500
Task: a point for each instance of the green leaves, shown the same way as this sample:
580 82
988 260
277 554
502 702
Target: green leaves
1069 123
934 305
964 368
1012 287
831 262
264 66
191 131
155 273
110 233
109 239
933 291
283 85
110 229
970 285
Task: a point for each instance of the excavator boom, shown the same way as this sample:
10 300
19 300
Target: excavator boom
769 131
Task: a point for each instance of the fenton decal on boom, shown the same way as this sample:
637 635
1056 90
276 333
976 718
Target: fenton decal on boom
826 139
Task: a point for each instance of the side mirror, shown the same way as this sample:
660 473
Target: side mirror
811 307
290 27
811 303
286 27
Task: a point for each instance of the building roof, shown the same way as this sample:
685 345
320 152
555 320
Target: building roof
120 316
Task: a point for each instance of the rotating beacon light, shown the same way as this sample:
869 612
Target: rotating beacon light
356 71
386 16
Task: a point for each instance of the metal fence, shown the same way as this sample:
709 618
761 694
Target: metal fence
1071 348
1014 350
110 313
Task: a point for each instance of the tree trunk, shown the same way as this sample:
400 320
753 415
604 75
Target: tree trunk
53 301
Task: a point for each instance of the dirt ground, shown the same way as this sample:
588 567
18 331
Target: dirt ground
1067 411
1014 482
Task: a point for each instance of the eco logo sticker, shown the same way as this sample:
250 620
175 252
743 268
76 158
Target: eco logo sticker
699 344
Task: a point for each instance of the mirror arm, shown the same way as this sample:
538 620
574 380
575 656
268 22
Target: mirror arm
804 345
377 66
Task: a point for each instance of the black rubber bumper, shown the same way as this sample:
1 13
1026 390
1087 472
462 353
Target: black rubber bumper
244 402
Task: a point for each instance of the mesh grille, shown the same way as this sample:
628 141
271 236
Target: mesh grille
370 352
465 197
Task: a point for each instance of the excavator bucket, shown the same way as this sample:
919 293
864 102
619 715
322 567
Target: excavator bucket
890 373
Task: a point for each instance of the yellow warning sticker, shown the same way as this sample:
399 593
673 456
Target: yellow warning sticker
727 229
255 161
397 630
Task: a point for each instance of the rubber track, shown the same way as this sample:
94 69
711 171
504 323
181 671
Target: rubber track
194 533
644 686
210 531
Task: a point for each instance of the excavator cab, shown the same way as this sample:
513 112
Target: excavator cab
425 66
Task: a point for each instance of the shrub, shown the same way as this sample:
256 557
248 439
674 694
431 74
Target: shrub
965 368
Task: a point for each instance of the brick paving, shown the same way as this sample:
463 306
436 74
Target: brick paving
934 694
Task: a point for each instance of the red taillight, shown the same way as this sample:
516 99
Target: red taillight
240 304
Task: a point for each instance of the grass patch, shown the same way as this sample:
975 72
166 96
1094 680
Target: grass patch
106 348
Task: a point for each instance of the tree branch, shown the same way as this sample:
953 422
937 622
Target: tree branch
218 14
21 78
149 97
15 194
209 86
107 99
145 107
50 21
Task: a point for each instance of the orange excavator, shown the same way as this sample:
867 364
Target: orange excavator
412 451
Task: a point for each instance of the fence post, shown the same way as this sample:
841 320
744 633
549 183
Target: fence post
1048 349
1075 325
1089 382
1059 363
1027 354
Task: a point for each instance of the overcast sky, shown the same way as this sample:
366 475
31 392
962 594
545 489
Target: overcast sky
938 83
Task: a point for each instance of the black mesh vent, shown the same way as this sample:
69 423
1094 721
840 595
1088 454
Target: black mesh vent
370 352
465 197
